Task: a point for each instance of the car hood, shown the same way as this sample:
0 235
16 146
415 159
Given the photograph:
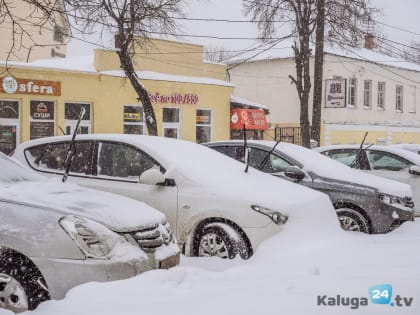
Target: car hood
118 213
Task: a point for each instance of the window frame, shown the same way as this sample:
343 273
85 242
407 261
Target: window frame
399 98
352 93
172 125
367 94
210 125
381 95
141 123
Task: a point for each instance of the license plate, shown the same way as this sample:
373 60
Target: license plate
170 262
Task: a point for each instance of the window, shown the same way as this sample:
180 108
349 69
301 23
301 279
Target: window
171 122
72 113
125 162
380 160
59 34
42 117
399 98
9 125
50 157
345 156
352 95
381 95
203 121
133 119
274 164
235 152
367 94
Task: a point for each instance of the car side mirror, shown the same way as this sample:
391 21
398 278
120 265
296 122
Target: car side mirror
294 172
152 176
414 169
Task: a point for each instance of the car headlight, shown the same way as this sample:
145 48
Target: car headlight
390 199
94 239
275 216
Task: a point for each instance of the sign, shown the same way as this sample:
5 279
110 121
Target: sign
41 129
42 110
175 98
12 85
335 93
254 119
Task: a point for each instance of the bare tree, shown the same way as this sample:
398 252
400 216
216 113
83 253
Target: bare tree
133 22
217 53
25 21
341 19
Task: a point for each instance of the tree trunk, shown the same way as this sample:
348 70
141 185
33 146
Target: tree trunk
143 96
318 72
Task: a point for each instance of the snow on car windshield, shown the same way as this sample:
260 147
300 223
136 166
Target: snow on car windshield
12 171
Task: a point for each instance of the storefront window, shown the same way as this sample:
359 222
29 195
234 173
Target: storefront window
203 125
171 122
9 125
42 119
72 113
133 119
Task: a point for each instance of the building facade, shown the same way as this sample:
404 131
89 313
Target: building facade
190 97
29 36
363 91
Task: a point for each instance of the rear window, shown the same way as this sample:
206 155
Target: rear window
50 157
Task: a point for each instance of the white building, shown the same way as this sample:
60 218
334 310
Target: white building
363 91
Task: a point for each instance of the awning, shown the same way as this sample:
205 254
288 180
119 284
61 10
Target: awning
254 119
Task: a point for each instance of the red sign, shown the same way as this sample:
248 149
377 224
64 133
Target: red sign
253 119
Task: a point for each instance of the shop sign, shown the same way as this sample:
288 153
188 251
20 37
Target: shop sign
253 119
335 93
12 85
175 98
41 129
42 110
203 119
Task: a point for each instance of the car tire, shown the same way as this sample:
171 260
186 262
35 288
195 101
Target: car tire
352 220
217 239
22 286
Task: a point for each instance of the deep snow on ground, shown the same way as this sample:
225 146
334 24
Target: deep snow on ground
285 276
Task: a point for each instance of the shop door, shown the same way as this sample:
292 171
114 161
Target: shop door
8 136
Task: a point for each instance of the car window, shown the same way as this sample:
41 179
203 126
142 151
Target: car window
274 163
123 161
380 160
235 152
345 156
50 157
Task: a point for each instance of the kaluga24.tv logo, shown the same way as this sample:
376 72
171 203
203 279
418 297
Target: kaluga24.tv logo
378 294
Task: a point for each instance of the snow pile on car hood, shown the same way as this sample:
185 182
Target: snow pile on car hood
119 213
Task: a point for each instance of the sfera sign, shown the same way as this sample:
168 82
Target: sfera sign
11 85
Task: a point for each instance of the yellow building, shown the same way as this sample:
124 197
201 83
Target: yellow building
191 99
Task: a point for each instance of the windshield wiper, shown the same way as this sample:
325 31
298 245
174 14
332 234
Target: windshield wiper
71 150
358 159
267 156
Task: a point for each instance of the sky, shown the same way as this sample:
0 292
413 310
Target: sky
398 21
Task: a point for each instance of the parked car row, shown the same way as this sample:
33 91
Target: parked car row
182 197
363 202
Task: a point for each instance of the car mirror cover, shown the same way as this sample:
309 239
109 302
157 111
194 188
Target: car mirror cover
152 176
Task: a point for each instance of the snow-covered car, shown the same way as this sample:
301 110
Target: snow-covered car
412 147
363 202
385 161
213 205
55 236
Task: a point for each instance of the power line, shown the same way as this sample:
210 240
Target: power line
398 28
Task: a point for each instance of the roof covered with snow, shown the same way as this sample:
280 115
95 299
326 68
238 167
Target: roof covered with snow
85 64
238 100
284 50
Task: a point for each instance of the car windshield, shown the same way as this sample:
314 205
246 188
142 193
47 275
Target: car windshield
12 171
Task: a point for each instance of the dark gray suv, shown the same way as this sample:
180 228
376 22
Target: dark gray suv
363 202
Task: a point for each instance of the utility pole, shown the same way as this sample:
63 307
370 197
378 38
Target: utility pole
318 72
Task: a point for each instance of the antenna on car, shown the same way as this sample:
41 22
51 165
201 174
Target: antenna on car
246 151
71 150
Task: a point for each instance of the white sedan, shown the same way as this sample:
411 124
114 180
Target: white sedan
215 207
386 161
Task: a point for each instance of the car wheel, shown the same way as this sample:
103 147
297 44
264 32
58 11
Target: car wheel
352 220
22 286
217 239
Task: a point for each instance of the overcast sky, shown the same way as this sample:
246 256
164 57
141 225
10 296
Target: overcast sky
403 14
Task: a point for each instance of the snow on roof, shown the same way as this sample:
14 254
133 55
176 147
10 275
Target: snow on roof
150 75
235 99
86 64
284 50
